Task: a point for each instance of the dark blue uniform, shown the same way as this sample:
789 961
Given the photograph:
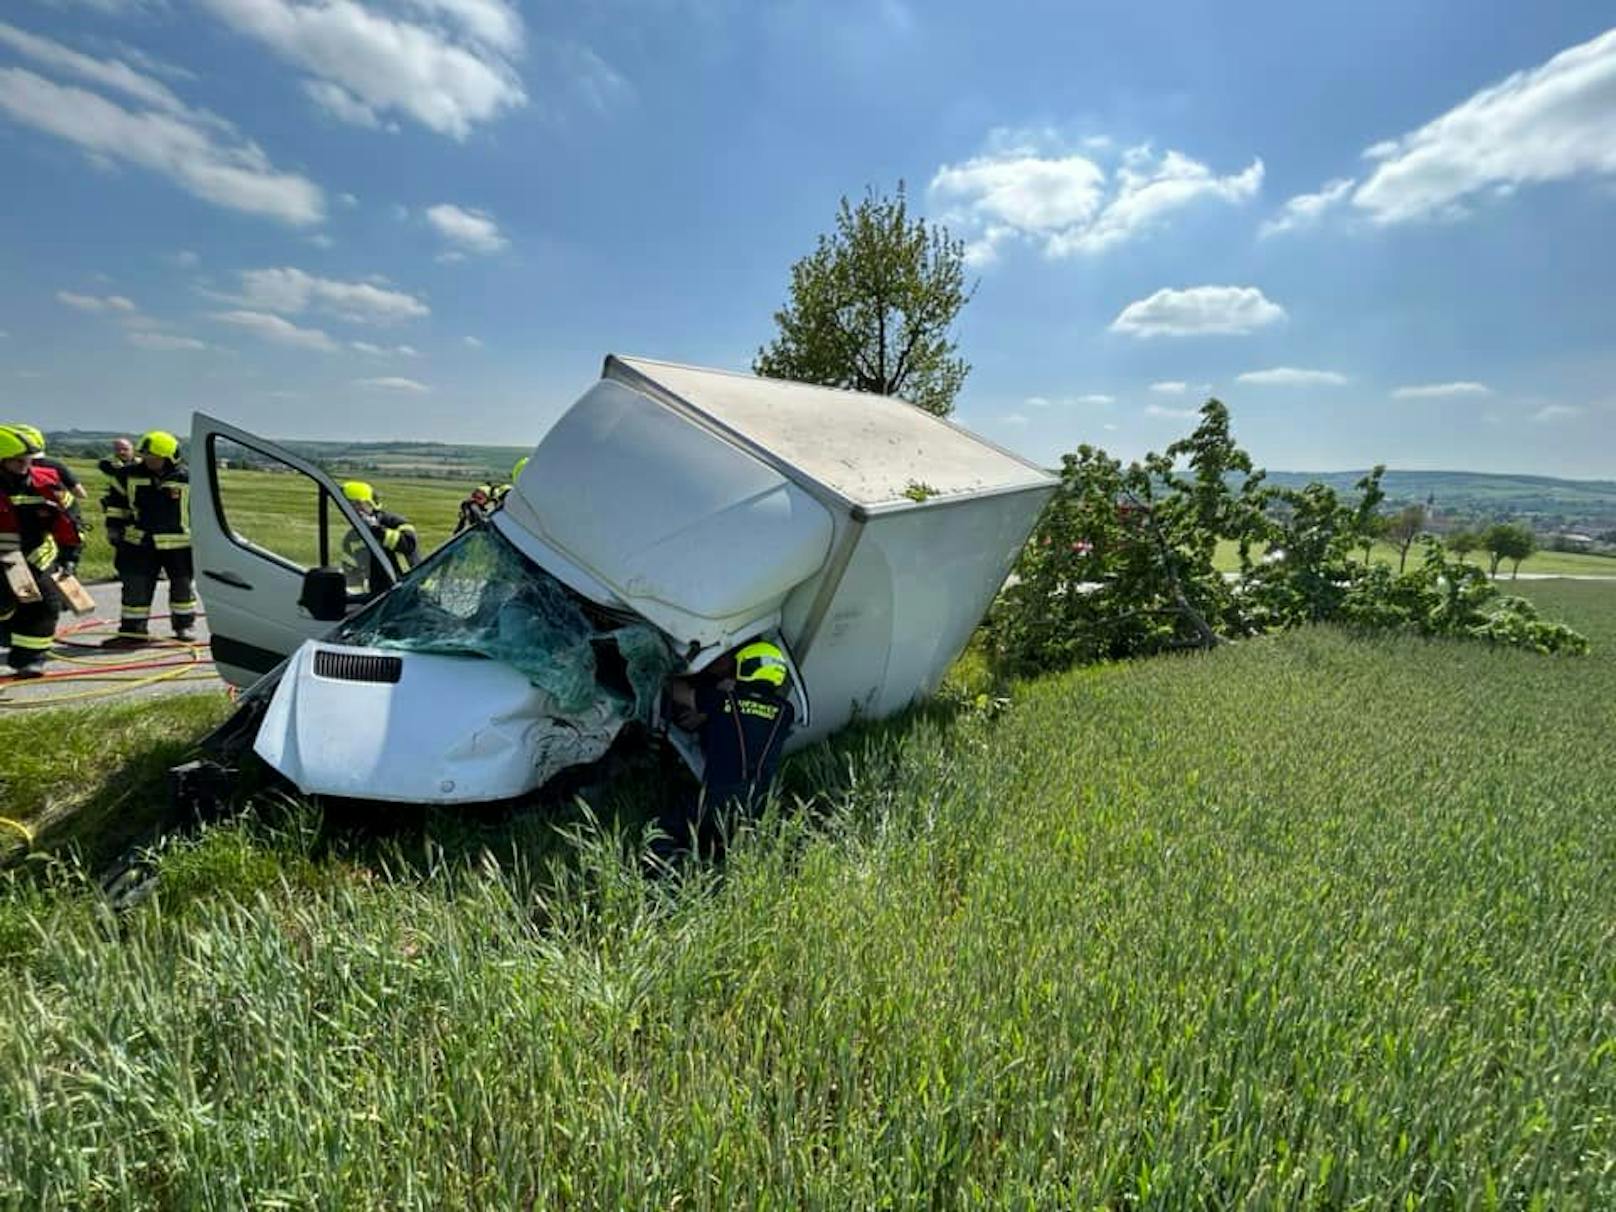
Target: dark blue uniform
741 739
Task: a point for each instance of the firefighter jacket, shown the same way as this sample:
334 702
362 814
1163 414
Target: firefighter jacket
33 516
115 507
395 534
158 504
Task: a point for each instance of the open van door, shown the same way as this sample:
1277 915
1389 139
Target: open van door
261 518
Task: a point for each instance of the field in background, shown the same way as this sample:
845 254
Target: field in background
1544 563
281 510
1308 921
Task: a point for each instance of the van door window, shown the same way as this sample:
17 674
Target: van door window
280 513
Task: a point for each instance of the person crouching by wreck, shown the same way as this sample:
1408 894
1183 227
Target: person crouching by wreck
742 722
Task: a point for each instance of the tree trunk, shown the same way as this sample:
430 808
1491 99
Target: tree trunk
1492 571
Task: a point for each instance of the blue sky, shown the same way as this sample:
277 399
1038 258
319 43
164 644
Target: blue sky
1380 232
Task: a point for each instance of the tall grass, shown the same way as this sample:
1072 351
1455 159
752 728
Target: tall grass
1305 922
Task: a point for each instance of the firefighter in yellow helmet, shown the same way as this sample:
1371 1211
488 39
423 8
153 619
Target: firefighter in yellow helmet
34 525
154 540
742 717
497 493
76 491
393 531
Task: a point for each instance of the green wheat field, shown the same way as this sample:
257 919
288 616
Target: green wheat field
1308 922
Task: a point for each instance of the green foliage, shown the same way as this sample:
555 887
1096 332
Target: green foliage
1462 542
1402 528
1148 938
1124 560
1128 561
919 490
1508 541
871 308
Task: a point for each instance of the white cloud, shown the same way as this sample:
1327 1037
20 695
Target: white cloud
1199 310
1549 123
164 341
1304 210
1094 399
278 330
1177 414
384 351
1148 191
472 342
107 73
1013 418
198 152
291 291
1433 391
1066 202
472 230
101 303
348 200
186 259
449 72
1290 376
490 22
1555 412
392 383
341 104
1170 387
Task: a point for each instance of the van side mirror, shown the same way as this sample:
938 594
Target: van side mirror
325 594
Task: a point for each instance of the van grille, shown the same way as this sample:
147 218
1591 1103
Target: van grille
357 666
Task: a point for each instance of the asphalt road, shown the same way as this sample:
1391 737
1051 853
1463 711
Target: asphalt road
80 673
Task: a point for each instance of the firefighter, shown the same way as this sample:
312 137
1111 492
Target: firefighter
70 553
155 538
476 509
498 493
742 722
393 531
115 511
34 523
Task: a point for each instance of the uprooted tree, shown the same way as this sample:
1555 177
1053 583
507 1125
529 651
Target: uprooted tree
872 308
1122 563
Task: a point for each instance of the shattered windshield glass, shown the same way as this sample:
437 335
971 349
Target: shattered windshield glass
481 597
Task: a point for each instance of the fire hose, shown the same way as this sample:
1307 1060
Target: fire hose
171 661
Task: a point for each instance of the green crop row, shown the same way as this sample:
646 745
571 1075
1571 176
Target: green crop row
1307 921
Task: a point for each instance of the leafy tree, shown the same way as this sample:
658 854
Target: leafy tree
1462 542
1508 541
1121 563
872 306
1402 528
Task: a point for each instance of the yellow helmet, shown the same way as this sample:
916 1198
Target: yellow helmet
14 443
516 472
31 432
761 661
358 491
160 443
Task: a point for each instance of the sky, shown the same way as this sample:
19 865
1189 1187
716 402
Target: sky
1380 231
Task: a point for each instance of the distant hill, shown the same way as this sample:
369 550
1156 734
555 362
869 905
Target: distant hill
1544 500
432 460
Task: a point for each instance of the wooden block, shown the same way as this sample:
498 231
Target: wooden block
78 598
20 578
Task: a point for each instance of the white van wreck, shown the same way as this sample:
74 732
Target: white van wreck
671 514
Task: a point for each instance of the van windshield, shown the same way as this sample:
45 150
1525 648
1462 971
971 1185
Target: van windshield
480 597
